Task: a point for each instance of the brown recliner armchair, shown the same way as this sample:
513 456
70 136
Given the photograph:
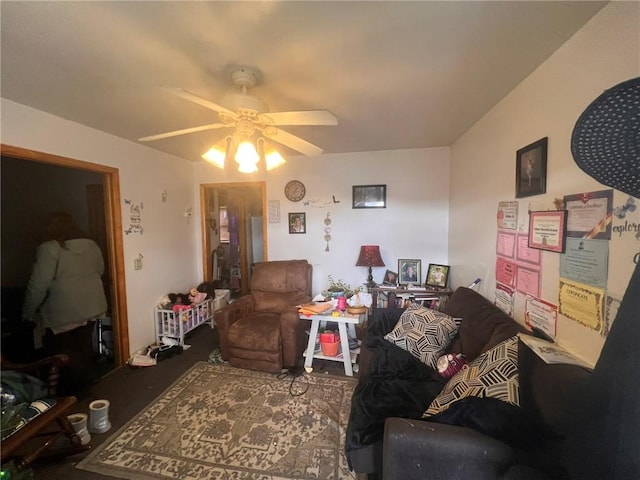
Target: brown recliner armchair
262 330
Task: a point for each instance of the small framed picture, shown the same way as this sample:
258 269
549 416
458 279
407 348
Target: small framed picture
390 278
531 169
369 196
409 271
274 211
437 276
297 222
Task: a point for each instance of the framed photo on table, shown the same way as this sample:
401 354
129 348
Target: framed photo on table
390 278
531 169
409 271
548 230
437 276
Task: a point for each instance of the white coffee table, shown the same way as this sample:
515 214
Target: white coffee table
344 321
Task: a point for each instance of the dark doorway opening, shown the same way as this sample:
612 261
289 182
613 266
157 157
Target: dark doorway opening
29 191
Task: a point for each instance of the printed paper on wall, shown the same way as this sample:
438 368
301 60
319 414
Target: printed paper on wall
582 303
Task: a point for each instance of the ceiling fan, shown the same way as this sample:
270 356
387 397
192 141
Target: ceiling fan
247 115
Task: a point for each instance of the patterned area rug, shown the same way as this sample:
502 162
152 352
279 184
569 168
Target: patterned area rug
218 421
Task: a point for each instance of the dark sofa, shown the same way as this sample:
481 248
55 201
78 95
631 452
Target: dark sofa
474 438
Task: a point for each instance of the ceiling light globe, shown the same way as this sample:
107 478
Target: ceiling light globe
214 156
248 168
246 153
274 160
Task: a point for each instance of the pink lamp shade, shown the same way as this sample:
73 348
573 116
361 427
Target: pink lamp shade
370 257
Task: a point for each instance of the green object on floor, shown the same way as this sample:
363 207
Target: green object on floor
216 356
11 472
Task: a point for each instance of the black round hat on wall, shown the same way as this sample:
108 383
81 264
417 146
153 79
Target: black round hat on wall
606 138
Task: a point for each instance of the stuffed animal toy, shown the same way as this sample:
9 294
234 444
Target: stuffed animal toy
165 303
178 307
450 364
179 298
210 288
196 297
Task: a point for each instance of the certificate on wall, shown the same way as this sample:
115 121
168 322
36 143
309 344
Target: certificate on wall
586 261
508 215
589 214
505 244
524 253
504 298
505 271
581 303
528 281
547 230
542 315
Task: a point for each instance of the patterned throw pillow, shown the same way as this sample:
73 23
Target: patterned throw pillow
424 333
493 374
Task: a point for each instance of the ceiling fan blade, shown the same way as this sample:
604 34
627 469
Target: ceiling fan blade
192 97
308 117
184 131
291 141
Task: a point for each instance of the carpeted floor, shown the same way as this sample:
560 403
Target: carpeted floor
130 390
217 421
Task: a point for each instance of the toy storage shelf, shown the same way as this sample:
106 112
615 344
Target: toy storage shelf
177 324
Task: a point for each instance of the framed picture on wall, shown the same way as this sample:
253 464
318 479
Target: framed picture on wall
409 271
297 222
548 230
437 276
531 169
369 196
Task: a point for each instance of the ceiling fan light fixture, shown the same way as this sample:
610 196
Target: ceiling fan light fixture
215 156
273 159
246 153
247 157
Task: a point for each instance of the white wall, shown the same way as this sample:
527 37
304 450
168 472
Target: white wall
547 104
414 224
168 243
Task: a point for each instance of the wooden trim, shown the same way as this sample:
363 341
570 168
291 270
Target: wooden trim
113 214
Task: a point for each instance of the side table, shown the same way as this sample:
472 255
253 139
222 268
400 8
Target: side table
344 321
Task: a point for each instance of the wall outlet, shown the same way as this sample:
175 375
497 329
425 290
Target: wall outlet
137 263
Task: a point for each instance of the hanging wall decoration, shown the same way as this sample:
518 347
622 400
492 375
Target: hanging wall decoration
327 230
135 217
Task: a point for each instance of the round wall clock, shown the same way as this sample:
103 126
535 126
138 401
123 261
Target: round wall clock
295 190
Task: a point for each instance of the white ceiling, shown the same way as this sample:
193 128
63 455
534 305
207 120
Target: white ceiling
396 74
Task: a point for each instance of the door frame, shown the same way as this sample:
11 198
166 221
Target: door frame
115 264
205 221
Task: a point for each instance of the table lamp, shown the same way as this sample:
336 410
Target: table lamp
370 257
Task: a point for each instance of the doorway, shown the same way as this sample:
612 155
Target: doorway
234 233
97 196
